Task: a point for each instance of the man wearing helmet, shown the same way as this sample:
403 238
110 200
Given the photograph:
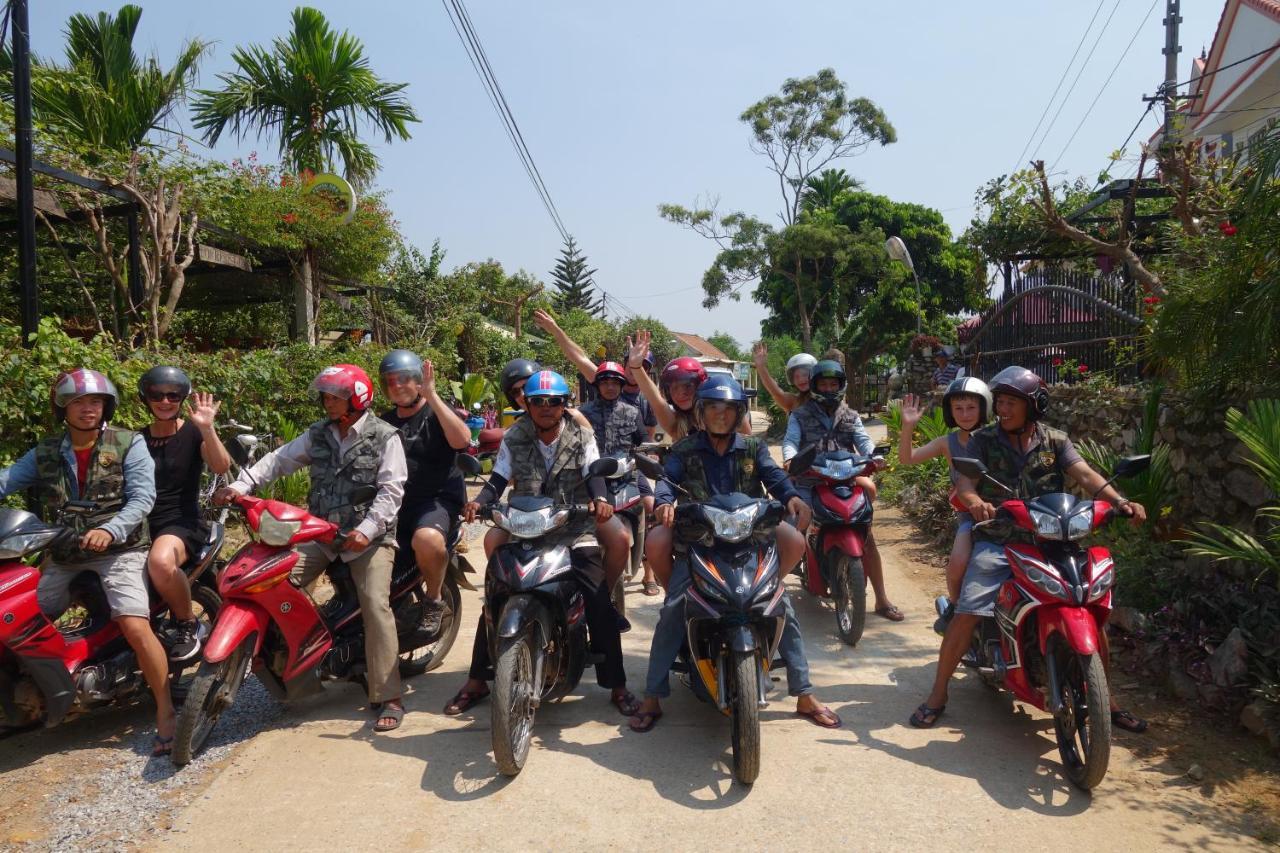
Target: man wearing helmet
349 448
718 460
547 453
180 449
435 491
93 461
1022 452
827 421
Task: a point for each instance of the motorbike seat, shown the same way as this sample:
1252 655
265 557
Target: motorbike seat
212 545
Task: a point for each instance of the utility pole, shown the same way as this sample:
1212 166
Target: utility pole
1171 50
22 168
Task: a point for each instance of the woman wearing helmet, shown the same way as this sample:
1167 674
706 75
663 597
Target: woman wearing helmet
347 449
798 374
674 396
90 460
547 453
966 406
180 449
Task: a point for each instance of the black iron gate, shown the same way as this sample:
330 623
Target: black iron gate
1064 324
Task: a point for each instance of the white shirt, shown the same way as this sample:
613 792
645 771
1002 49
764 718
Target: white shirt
393 471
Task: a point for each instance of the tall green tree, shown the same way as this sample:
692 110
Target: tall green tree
728 345
315 90
822 190
574 283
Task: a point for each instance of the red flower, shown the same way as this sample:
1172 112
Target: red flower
1057 362
1084 368
1152 300
285 180
290 218
1227 228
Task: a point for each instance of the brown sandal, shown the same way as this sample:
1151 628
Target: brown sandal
892 613
463 701
822 716
646 719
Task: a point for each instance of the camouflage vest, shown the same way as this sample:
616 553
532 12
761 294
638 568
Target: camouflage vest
1042 474
335 475
615 424
746 477
841 436
105 487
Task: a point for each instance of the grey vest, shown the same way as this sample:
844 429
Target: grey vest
841 435
563 483
334 476
615 424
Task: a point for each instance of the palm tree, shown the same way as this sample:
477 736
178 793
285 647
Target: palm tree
822 189
105 96
314 88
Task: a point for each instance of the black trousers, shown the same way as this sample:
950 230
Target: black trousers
602 626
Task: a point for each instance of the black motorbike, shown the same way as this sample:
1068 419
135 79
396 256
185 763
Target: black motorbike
734 611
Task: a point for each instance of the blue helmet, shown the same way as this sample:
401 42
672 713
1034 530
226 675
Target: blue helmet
719 388
401 361
546 383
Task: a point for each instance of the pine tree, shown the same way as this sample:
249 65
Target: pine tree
574 282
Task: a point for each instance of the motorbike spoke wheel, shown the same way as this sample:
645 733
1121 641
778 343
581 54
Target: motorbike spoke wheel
1083 728
513 704
850 587
213 691
431 655
744 708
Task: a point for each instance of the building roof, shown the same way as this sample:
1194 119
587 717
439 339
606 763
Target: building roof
702 346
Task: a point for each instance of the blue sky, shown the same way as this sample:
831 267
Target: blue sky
628 105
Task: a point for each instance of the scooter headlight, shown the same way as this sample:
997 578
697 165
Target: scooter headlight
1080 524
1102 583
531 525
1045 582
276 532
837 469
732 526
1047 525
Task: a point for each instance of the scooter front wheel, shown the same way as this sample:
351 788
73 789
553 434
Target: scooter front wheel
514 703
849 583
1083 727
744 714
213 691
430 656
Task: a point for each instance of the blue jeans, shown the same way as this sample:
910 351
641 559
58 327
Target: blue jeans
669 636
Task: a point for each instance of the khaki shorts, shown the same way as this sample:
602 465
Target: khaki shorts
124 580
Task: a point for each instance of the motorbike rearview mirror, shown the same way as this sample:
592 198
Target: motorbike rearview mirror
803 460
880 450
363 494
467 464
606 466
648 466
1130 466
974 469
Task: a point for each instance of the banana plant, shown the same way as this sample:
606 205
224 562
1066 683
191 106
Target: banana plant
474 388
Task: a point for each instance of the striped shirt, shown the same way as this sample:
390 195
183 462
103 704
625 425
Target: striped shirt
947 375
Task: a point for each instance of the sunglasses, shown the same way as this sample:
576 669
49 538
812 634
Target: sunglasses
545 402
161 396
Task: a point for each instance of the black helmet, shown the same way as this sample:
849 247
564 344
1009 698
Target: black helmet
516 370
721 388
974 387
164 375
1021 382
401 361
828 369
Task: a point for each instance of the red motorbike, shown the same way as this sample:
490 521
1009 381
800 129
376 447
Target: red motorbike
841 521
1043 643
56 669
291 643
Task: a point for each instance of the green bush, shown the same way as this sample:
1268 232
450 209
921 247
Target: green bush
921 491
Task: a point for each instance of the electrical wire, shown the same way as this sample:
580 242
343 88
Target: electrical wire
1106 82
1232 65
1079 72
1058 87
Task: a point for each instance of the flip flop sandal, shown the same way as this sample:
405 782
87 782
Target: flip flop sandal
627 704
161 746
463 701
651 588
892 613
647 721
818 715
925 717
1128 722
390 712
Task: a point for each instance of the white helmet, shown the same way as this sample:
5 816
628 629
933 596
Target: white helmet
968 385
797 361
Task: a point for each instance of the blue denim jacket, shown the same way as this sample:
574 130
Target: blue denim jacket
139 483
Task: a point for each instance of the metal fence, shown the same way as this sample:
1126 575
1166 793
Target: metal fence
1064 324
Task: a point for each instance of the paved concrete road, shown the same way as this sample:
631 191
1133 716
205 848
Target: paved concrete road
987 777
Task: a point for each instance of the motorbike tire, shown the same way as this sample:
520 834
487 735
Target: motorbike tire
426 658
206 603
1083 729
512 703
849 586
744 716
213 691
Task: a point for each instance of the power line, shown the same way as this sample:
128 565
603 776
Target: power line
1107 82
1061 80
1232 65
1079 72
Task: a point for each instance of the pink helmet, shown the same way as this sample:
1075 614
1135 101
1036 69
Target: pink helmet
82 382
347 381
685 369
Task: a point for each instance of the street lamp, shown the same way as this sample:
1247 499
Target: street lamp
898 251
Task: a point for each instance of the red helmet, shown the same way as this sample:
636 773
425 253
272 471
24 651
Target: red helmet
347 381
81 382
611 370
686 369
